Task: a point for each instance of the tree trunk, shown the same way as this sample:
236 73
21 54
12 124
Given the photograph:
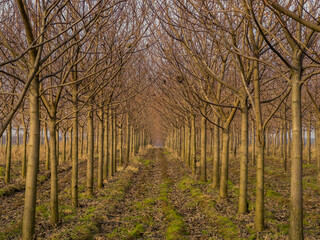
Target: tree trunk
96 137
75 149
253 146
70 143
8 155
18 136
128 141
284 144
54 171
132 141
24 156
82 139
57 145
259 211
189 145
111 160
317 145
267 142
193 143
114 143
203 158
101 147
281 141
177 141
183 141
64 146
289 144
309 141
216 155
243 203
296 216
274 144
224 164
28 228
120 146
90 160
106 147
260 140
47 164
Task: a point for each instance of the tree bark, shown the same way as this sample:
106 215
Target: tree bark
243 203
28 228
64 146
193 143
284 143
24 156
224 164
120 146
106 147
54 171
267 142
114 132
309 141
317 145
296 211
57 146
8 154
132 141
259 211
74 144
128 141
100 147
111 160
70 143
90 160
82 139
203 158
183 141
216 155
47 164
253 146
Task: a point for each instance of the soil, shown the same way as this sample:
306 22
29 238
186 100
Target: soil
157 197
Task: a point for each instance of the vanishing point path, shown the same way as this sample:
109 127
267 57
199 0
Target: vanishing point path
157 204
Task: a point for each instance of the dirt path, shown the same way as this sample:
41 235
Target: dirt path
154 207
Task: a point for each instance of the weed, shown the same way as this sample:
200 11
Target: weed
166 152
271 194
137 231
146 162
12 232
228 229
43 210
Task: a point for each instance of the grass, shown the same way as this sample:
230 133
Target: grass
12 232
137 231
146 162
176 228
86 221
85 231
227 228
44 210
166 152
311 183
273 194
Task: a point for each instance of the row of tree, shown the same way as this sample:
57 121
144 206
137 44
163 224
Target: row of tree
226 62
73 67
